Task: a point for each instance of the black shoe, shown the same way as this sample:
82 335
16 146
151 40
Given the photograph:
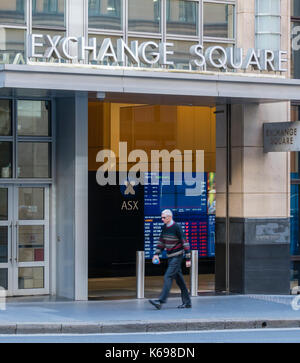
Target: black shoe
156 303
185 306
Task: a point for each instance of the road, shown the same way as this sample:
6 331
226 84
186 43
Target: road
218 336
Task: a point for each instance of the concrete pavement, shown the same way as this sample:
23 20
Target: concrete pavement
123 316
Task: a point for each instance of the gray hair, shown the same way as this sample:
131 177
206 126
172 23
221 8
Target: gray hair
167 212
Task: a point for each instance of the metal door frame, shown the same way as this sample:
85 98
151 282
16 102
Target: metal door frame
13 225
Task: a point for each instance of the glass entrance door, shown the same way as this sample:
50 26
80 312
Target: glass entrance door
6 229
24 240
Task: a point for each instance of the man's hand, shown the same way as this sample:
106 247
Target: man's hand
188 264
155 257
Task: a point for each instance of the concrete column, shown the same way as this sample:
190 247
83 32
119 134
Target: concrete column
72 196
259 204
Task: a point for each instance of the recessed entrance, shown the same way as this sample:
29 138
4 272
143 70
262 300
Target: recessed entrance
120 223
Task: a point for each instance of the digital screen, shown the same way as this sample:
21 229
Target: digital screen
164 194
195 214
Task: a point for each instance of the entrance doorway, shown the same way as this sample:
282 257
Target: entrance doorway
120 223
24 239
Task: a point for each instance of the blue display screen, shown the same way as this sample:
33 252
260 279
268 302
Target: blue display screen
167 195
194 213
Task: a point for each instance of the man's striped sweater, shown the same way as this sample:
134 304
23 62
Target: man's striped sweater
173 240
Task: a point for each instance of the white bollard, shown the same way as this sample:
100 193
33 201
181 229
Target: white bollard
194 274
140 274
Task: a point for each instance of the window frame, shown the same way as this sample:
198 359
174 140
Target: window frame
15 139
125 33
259 15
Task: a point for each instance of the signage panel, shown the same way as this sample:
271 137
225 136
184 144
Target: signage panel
282 136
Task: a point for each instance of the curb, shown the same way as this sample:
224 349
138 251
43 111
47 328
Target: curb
142 326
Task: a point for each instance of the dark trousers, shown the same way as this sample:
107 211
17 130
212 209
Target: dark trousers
174 272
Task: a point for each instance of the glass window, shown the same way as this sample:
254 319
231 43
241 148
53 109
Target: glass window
182 17
268 7
33 118
4 278
12 46
144 15
52 33
295 8
181 56
12 11
31 243
31 204
31 278
99 40
5 160
218 20
105 14
3 244
149 50
5 118
3 204
48 13
268 24
268 41
33 160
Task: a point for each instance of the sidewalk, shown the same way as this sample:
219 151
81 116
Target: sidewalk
208 312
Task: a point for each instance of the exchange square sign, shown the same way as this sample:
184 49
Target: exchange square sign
282 136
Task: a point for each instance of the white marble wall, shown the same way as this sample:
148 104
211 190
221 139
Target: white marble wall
260 182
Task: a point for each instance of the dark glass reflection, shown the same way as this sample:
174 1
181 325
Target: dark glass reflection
48 12
4 278
33 118
5 160
218 20
3 204
105 14
33 160
3 244
31 204
12 12
182 17
5 118
12 46
144 15
295 8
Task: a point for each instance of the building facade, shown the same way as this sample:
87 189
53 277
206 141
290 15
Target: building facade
79 77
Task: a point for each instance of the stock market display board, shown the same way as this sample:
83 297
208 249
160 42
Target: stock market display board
195 213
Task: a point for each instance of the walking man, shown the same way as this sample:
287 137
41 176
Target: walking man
173 240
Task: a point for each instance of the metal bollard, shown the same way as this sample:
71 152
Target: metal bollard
140 274
194 274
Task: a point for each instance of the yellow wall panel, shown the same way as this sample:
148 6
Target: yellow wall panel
149 127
